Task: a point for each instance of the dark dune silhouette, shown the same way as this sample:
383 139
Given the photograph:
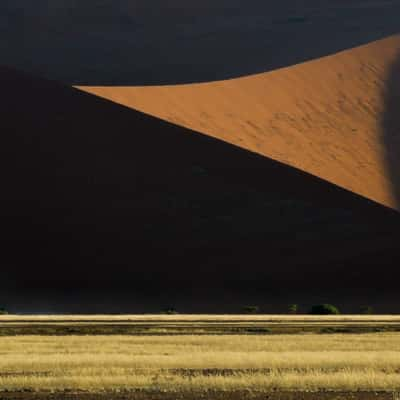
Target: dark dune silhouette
104 203
143 42
391 127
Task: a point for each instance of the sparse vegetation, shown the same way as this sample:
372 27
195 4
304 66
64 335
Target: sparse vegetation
324 309
293 308
366 310
170 311
251 309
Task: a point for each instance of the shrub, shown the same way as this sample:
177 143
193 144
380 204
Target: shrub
293 308
3 311
324 309
250 309
366 310
169 311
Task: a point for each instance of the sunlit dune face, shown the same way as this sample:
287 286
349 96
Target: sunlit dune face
327 117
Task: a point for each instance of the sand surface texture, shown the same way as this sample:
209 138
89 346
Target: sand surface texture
335 117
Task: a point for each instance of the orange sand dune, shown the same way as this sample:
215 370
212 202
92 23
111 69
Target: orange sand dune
322 116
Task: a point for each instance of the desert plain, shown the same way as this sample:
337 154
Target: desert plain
199 157
180 356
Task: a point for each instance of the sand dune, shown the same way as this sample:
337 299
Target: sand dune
116 210
142 42
324 116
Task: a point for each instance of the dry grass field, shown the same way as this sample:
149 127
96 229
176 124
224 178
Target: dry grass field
176 365
192 363
201 318
180 324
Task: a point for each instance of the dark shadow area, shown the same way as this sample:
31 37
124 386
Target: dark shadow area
391 128
147 42
106 209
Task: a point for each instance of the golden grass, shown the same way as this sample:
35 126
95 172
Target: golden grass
201 318
198 363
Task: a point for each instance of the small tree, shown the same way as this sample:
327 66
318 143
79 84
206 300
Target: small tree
366 310
170 311
324 309
251 309
293 308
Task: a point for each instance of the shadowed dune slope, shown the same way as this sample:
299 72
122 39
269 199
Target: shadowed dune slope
143 42
99 201
323 116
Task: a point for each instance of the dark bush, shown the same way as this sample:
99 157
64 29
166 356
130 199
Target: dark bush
3 311
169 311
250 309
293 308
366 310
324 309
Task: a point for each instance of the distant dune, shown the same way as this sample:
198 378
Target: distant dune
148 42
106 209
324 116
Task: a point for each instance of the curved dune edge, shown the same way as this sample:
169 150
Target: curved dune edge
322 116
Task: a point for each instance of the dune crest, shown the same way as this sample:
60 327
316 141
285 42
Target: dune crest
323 116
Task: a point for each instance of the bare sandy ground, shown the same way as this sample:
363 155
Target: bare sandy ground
324 116
209 396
